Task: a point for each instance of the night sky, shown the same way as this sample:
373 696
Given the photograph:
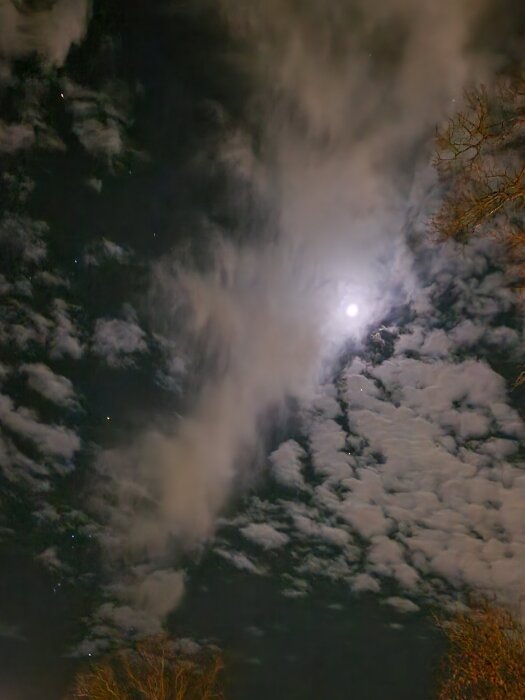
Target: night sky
244 395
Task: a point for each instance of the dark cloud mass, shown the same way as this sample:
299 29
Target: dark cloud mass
226 335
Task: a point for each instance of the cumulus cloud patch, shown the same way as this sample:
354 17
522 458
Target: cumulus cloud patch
15 137
98 123
24 237
117 341
18 468
264 535
261 317
65 337
54 387
49 30
287 466
51 440
238 560
105 250
416 472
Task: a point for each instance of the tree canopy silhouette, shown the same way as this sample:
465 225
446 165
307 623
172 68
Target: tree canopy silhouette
480 158
152 670
486 655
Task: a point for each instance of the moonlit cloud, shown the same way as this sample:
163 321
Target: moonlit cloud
287 466
103 251
54 387
117 341
239 560
65 336
14 137
50 30
24 237
341 102
424 474
51 440
264 535
100 120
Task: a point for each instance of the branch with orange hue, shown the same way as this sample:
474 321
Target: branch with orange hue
486 654
480 159
152 670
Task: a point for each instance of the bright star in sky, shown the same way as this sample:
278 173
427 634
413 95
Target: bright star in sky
352 310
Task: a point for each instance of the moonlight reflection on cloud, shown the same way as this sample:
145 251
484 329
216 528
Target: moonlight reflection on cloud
352 310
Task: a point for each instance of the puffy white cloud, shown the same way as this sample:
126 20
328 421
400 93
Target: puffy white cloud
98 124
52 440
368 520
325 402
436 344
50 279
467 333
105 250
402 605
428 493
312 530
264 535
262 317
24 237
287 466
117 340
364 583
65 335
337 568
54 387
100 138
239 560
328 443
49 29
18 468
49 557
14 137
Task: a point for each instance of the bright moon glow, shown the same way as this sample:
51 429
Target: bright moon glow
352 310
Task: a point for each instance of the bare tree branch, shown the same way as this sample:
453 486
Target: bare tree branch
152 670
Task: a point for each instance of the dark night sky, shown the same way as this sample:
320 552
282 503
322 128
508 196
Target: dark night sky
193 433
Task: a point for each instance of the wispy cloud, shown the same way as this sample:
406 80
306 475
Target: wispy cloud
340 101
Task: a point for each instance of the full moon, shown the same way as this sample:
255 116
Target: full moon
352 310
